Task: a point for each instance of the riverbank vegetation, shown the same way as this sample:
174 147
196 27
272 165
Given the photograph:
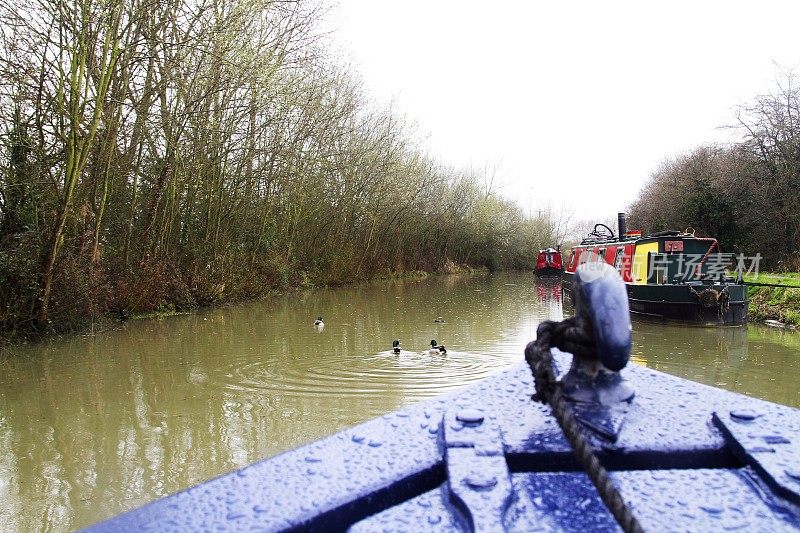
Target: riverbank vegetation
168 155
745 193
780 303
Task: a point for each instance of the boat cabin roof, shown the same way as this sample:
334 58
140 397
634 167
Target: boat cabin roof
636 239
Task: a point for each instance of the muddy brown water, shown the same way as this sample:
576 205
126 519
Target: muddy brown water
91 426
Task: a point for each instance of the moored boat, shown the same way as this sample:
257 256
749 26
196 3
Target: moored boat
549 263
669 275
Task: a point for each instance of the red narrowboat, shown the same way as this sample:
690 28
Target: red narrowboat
549 263
669 275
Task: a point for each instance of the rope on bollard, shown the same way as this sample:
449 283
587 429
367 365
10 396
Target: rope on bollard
573 335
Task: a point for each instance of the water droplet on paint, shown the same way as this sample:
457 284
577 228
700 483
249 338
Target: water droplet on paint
744 415
480 481
794 474
470 416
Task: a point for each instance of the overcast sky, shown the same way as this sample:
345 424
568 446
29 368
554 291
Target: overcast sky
576 103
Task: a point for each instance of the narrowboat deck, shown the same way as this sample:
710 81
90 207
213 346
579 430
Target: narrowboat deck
689 458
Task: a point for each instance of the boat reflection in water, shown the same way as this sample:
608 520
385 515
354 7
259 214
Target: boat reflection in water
754 359
549 293
679 350
742 359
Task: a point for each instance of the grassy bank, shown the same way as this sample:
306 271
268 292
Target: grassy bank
163 302
302 283
775 303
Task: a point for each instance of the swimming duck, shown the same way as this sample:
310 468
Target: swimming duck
437 348
318 323
439 320
396 346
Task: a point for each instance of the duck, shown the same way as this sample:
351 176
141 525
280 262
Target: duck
318 323
439 320
437 348
396 346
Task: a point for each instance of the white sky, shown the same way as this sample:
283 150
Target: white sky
575 102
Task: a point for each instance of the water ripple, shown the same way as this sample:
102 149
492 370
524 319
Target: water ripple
410 373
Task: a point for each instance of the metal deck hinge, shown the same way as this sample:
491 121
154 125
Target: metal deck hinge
478 480
759 439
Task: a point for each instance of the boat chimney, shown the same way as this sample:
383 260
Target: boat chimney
622 226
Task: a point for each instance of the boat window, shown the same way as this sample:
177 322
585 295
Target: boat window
601 254
572 260
657 267
659 273
618 258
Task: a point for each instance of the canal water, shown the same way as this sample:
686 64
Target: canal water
91 426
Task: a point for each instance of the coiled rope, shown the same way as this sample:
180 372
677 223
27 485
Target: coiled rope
574 335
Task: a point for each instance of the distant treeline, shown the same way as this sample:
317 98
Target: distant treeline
171 154
746 194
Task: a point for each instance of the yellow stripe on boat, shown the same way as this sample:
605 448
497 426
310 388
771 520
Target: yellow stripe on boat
640 257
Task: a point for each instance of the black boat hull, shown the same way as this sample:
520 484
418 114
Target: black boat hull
732 314
684 303
549 272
